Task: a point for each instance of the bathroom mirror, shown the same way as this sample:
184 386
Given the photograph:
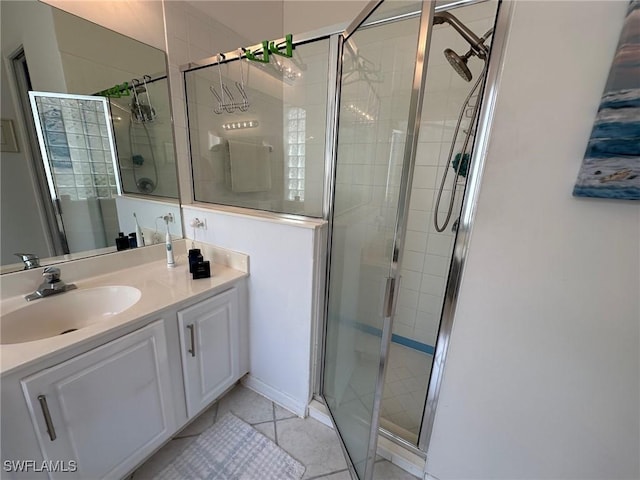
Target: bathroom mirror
45 49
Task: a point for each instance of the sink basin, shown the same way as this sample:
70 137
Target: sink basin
65 312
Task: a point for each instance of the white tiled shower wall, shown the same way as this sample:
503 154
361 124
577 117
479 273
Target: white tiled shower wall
427 255
375 102
191 36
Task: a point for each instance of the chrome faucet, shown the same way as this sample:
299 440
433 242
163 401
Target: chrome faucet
51 285
30 260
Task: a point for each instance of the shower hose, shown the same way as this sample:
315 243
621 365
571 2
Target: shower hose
467 139
153 158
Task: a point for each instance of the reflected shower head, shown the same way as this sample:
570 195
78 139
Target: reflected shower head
459 63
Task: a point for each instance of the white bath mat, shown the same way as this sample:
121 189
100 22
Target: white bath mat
233 450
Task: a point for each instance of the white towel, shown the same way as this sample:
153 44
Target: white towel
250 167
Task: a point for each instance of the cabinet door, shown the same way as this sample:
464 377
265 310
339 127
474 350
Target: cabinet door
210 336
106 409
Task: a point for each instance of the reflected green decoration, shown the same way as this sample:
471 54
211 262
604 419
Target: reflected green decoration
284 49
288 45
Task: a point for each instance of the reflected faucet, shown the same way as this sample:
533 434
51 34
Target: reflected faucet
30 260
51 285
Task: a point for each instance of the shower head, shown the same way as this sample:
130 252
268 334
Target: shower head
459 63
478 48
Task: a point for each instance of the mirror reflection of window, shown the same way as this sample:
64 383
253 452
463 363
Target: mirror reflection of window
76 144
79 158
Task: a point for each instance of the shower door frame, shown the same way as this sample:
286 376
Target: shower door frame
425 27
467 214
470 198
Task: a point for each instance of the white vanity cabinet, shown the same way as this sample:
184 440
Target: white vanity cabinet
106 409
210 348
106 404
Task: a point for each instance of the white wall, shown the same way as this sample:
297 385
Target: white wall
282 271
302 16
191 36
256 20
139 19
103 58
21 221
148 213
542 377
33 27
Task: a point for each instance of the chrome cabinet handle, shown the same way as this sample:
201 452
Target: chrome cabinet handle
192 350
47 417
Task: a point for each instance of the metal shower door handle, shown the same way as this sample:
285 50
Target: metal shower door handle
389 297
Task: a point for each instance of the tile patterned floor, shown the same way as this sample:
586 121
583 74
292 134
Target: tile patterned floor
405 390
310 442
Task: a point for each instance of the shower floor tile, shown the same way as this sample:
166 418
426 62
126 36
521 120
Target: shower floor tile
405 391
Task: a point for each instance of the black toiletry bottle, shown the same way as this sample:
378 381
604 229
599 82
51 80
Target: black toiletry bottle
195 257
201 270
133 240
122 242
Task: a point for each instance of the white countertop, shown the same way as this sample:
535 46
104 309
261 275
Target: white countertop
161 288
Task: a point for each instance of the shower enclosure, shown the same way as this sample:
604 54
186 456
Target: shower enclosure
403 154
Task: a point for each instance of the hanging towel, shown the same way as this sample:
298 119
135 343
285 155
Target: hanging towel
250 167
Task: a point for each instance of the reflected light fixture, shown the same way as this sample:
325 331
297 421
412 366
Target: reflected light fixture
287 71
240 125
361 114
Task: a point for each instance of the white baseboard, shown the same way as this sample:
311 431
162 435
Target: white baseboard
282 399
319 412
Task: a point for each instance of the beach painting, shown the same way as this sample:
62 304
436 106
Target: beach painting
611 165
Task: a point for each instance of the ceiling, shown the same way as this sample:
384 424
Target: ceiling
256 20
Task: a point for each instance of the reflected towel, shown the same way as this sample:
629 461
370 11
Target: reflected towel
250 167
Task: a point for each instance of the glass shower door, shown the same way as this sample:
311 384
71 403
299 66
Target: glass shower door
377 103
